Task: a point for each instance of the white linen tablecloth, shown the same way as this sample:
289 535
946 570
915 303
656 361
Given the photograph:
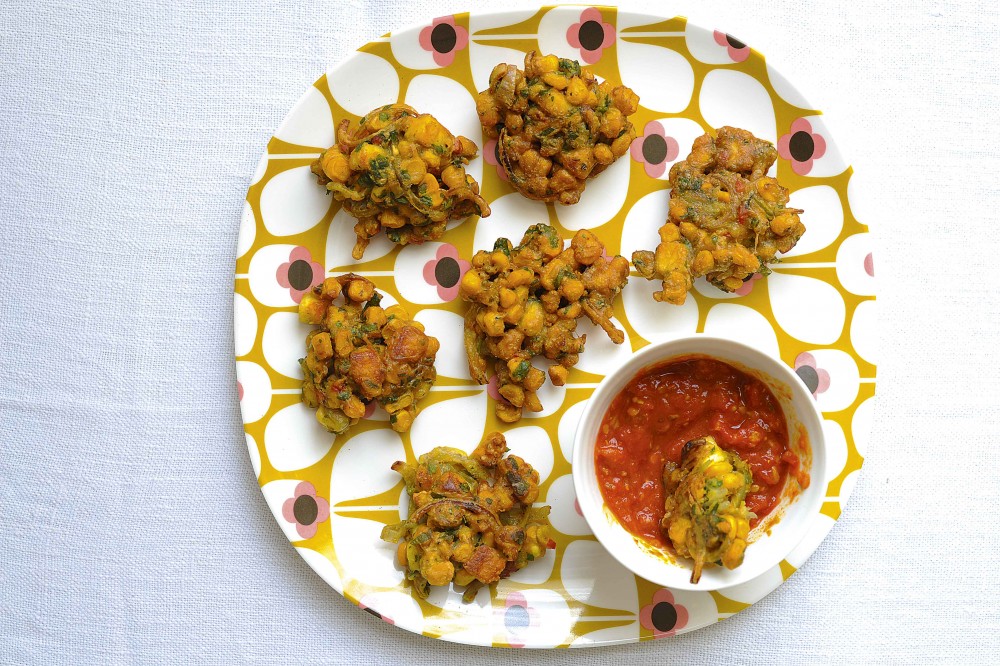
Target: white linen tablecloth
132 527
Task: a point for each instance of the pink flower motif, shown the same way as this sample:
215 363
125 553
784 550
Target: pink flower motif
518 616
443 39
816 379
239 390
748 285
372 611
300 273
663 616
654 149
801 146
445 272
306 510
869 265
591 35
492 156
737 50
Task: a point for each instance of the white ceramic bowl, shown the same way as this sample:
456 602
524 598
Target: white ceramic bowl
769 543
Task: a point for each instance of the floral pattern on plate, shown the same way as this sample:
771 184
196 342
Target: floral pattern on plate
332 495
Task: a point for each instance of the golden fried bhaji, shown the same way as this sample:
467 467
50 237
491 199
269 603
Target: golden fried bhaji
525 302
471 521
727 219
706 513
362 353
401 171
555 125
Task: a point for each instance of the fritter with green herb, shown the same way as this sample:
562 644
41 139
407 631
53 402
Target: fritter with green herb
471 518
362 353
706 514
525 302
403 172
727 218
555 126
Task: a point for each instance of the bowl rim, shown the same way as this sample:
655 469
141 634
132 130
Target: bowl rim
593 507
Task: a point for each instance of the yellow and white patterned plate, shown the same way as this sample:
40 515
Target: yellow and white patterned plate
331 495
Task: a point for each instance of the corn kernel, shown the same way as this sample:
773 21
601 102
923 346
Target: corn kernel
403 421
311 309
545 64
576 91
557 81
472 284
361 158
732 481
507 297
453 177
533 320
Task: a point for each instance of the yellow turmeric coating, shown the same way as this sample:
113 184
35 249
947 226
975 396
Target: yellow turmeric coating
403 172
555 125
361 353
706 517
525 302
727 220
471 517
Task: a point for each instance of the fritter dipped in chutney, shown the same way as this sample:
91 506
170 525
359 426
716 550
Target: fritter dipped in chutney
362 353
706 515
471 521
555 125
727 219
401 171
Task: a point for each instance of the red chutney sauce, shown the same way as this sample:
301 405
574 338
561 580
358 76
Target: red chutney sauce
669 404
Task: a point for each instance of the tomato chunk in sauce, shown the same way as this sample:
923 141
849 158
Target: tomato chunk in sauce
669 404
